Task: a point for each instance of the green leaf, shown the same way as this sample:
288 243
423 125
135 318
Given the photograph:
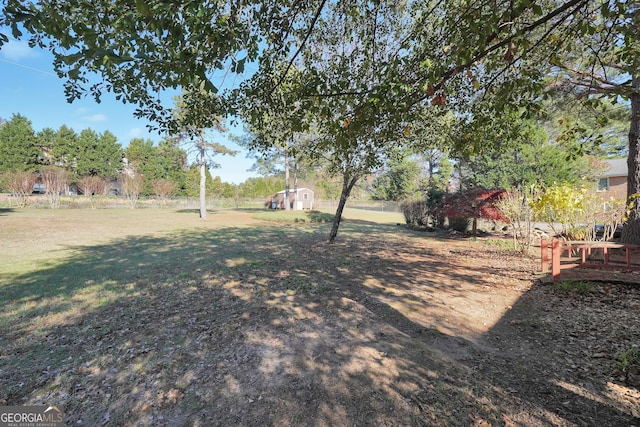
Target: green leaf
238 66
537 9
142 7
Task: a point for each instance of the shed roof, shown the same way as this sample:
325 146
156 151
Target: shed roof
291 191
617 167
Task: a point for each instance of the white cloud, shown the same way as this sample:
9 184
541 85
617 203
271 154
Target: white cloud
96 118
135 133
16 50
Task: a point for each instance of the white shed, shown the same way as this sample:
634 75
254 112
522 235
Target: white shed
302 199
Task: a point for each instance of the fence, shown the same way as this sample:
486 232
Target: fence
113 202
370 205
598 255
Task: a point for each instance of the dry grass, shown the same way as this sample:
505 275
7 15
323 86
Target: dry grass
152 317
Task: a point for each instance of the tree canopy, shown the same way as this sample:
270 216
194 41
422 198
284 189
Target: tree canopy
532 159
399 180
517 52
361 70
154 162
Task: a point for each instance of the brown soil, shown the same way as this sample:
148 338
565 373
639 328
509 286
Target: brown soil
390 328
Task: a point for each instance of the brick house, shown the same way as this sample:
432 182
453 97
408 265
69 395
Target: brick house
613 182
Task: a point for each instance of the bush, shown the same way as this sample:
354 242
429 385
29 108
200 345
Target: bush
560 204
515 207
416 213
460 224
473 203
576 233
56 183
20 184
95 188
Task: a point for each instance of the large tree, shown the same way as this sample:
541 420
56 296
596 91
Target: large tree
508 50
341 90
270 136
172 161
531 159
195 124
261 187
46 140
399 180
64 147
164 161
598 128
19 149
97 155
140 157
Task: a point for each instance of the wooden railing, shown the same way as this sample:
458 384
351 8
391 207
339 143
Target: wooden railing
600 255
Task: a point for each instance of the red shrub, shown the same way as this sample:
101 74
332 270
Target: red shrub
474 203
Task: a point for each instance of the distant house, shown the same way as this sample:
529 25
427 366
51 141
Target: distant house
613 182
303 199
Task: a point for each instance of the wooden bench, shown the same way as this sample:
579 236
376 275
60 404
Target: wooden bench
580 254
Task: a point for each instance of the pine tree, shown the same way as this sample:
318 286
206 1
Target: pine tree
18 145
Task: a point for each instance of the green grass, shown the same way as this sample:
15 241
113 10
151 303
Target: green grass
628 361
506 245
581 287
294 216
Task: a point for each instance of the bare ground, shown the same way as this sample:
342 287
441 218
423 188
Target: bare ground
276 327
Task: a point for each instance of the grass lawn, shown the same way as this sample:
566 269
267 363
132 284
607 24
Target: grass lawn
82 289
154 317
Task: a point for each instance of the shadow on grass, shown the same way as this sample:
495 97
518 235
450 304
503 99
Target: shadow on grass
6 211
250 326
196 211
221 210
287 217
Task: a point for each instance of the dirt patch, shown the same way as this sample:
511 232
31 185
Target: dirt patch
272 326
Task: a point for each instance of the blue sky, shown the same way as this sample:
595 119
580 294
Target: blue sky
29 86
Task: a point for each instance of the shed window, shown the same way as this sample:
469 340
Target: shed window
305 196
603 184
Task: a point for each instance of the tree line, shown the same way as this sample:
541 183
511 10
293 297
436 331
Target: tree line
28 157
358 78
81 158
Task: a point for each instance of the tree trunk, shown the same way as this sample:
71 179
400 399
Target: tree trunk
203 183
431 168
295 186
347 186
631 230
286 181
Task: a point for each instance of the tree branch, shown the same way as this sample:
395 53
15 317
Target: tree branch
502 43
587 79
304 41
531 48
336 94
